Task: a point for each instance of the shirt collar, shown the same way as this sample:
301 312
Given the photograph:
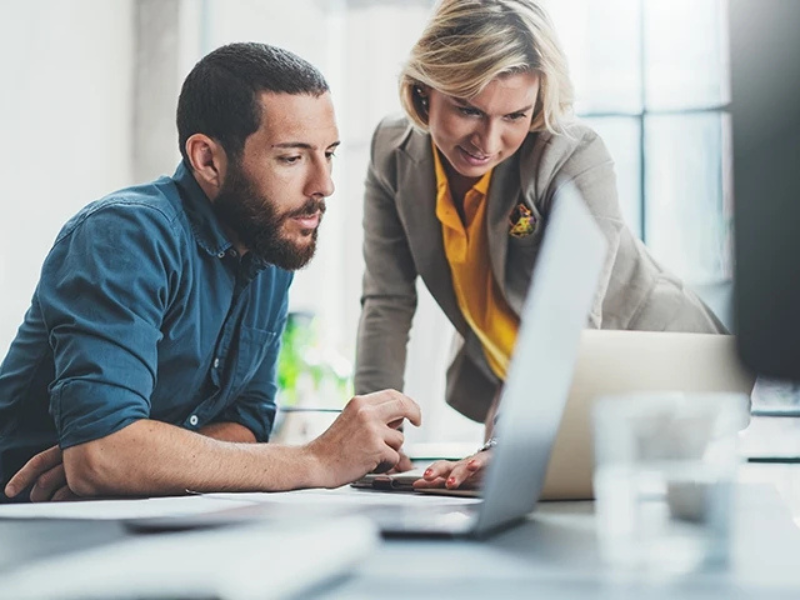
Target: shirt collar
206 227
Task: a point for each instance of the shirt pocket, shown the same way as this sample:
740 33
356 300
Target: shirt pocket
254 346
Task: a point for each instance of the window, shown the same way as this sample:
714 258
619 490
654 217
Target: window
651 77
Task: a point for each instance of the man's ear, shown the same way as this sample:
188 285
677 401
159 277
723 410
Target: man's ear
208 161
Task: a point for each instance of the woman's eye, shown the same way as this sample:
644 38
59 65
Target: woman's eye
516 116
469 112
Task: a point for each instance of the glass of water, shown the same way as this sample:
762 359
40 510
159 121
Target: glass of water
665 478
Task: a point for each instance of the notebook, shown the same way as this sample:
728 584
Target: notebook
262 560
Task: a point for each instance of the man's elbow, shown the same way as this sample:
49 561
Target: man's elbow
90 471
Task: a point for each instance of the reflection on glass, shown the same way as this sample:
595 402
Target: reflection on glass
602 41
621 136
685 54
687 225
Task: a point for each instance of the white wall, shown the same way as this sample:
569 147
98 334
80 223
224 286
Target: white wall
360 48
68 109
65 128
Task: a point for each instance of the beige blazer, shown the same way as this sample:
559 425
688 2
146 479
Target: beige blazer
403 240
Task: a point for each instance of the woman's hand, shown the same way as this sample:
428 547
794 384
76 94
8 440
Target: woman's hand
466 473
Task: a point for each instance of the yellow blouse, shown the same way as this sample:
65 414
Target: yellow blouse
467 249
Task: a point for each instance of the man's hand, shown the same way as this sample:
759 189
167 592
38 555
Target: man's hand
403 465
364 438
466 473
46 472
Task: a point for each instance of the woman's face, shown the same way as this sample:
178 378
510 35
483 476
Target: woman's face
477 134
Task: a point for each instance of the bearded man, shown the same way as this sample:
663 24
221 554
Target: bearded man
146 363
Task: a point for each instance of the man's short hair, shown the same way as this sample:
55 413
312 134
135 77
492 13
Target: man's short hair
219 97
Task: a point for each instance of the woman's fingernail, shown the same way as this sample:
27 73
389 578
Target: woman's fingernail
451 481
472 463
428 473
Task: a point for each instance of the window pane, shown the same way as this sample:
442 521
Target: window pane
621 135
687 210
602 41
685 54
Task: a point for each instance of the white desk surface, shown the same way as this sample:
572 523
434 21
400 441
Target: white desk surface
552 555
555 555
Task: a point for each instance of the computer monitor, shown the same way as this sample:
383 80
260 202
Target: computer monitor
765 107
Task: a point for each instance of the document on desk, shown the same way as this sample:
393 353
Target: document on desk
343 497
262 560
140 508
195 505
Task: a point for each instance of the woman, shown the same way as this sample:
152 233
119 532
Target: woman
459 192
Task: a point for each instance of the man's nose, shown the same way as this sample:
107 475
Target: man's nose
320 183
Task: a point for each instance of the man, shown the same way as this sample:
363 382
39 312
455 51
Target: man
146 363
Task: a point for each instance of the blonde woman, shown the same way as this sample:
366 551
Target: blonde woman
458 192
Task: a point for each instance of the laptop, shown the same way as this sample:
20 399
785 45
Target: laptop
627 362
562 289
614 363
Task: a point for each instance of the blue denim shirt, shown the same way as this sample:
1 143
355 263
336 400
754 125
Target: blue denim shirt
143 311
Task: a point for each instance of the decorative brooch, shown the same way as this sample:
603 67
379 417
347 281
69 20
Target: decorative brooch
522 221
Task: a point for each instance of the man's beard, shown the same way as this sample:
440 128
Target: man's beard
255 219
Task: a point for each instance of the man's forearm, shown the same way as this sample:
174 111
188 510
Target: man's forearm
154 458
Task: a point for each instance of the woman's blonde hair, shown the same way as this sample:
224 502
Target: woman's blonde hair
468 43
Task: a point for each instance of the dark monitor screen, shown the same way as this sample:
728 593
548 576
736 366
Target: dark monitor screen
765 108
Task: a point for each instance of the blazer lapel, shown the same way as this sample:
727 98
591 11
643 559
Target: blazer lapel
416 201
504 194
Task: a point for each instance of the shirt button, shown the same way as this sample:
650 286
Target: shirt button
232 253
221 255
193 420
216 363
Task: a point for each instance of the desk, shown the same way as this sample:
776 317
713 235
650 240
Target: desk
553 555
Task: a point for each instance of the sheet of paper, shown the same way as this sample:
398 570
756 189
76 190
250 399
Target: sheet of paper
344 496
118 509
145 508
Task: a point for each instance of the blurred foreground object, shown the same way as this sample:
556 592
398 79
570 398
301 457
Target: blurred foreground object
765 74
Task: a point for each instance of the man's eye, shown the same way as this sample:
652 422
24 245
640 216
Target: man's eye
330 155
289 160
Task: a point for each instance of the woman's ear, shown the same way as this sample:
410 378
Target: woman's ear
208 161
422 101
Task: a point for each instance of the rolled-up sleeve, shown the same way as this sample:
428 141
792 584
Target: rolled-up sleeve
103 294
